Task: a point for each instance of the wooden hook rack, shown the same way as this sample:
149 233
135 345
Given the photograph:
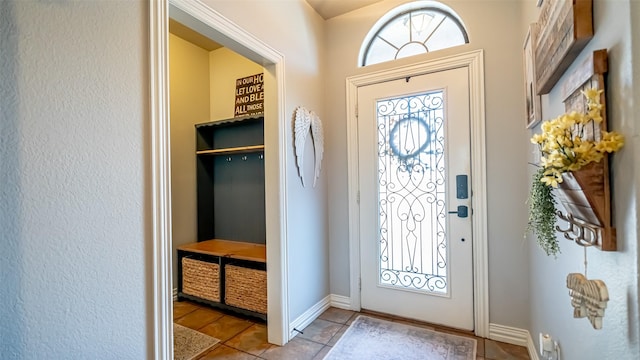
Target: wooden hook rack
585 194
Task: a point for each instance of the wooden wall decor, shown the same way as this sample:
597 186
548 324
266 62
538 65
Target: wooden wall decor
589 298
533 101
585 194
566 26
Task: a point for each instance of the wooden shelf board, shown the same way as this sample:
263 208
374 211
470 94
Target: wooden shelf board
234 150
227 248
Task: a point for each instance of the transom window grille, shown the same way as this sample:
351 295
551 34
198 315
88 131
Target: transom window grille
411 30
411 192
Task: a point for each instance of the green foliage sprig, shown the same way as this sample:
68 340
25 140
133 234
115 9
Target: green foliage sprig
542 214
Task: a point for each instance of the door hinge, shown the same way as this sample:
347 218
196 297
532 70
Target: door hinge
360 284
358 197
356 110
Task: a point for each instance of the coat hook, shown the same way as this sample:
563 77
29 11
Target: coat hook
229 159
261 156
583 233
244 158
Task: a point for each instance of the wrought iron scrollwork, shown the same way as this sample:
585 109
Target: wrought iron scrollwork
411 178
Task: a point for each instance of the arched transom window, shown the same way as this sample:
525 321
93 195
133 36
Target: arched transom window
411 29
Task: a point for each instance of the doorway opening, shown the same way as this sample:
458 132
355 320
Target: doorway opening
214 26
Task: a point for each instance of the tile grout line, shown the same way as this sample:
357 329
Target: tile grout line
238 334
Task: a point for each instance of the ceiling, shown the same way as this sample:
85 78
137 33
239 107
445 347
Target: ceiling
331 8
192 36
326 8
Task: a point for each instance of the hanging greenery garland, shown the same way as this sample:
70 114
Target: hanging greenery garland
542 214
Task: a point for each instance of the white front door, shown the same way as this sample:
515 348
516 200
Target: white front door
414 176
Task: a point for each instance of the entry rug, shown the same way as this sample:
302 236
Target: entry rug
375 339
188 344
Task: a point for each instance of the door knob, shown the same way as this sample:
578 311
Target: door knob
463 211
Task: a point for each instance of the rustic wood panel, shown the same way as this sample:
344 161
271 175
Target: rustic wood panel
566 26
583 190
577 102
595 63
585 194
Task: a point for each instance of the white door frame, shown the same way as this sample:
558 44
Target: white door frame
474 61
212 24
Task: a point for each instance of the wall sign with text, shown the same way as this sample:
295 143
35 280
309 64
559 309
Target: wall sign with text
249 95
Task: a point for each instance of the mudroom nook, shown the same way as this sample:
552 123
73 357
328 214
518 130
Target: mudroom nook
218 189
226 268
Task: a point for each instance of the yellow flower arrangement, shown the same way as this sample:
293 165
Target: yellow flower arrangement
563 145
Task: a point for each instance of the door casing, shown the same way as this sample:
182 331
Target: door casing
474 61
229 34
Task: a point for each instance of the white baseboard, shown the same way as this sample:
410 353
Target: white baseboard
341 302
515 336
308 316
508 334
175 294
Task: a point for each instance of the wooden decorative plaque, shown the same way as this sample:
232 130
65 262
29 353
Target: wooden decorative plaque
565 27
585 193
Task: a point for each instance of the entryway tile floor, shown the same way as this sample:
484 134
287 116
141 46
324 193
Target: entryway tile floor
245 339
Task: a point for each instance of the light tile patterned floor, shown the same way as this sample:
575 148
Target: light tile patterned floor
243 339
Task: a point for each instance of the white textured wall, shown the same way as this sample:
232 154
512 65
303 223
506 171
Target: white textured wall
616 29
495 27
189 105
295 30
226 67
73 158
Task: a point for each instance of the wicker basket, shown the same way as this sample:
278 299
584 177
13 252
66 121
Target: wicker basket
246 288
201 279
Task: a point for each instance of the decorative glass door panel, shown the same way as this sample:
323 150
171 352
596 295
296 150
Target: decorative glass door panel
411 192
